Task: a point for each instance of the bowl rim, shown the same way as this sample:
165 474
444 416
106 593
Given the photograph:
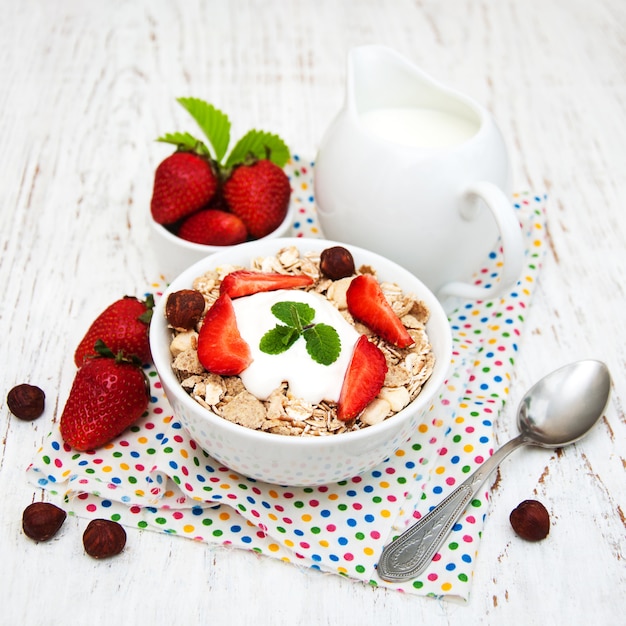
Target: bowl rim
162 360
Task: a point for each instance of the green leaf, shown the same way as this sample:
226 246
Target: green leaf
278 340
262 145
295 314
322 343
185 141
213 123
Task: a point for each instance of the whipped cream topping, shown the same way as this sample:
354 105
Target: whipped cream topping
307 379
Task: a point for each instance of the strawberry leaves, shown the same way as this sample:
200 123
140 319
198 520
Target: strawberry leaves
261 145
212 122
186 142
216 127
322 341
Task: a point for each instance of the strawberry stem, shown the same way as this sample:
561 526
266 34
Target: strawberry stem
149 304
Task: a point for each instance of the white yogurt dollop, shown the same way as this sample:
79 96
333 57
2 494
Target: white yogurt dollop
307 379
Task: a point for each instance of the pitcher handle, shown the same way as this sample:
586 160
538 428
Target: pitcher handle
510 238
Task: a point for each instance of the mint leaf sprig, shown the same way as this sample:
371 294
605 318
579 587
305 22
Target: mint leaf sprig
322 341
216 127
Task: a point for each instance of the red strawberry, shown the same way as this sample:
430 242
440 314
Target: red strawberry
246 282
108 395
259 195
123 327
213 227
363 380
367 303
221 349
183 183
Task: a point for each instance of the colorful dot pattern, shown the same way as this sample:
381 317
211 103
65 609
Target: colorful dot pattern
305 222
155 477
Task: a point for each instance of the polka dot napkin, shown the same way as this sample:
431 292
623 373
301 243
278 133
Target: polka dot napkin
155 477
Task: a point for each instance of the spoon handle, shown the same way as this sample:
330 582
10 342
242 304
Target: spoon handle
410 553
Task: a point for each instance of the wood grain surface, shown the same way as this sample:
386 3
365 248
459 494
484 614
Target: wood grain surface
86 88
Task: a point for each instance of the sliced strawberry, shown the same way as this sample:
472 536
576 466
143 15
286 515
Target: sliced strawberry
363 380
367 304
246 282
221 349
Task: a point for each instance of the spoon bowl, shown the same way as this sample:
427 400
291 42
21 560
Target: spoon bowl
562 407
558 410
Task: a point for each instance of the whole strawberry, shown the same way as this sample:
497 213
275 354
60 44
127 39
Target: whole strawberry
184 182
260 198
213 227
109 394
259 195
123 327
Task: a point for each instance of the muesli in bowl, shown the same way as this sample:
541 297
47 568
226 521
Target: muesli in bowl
299 361
291 393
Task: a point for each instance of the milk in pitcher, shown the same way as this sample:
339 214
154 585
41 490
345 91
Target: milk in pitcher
417 127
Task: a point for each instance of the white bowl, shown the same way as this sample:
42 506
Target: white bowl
175 254
288 460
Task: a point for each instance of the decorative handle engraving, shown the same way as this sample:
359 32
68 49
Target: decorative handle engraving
412 551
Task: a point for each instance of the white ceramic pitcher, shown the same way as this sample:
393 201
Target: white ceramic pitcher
419 173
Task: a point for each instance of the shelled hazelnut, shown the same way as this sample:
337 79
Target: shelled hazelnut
104 538
184 309
26 401
42 520
530 520
337 262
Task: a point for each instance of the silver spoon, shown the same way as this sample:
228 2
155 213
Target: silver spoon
558 410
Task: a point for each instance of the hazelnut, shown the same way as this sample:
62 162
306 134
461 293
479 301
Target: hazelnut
26 402
530 520
336 263
184 309
42 520
104 538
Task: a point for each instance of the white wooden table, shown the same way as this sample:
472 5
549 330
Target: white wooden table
88 86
